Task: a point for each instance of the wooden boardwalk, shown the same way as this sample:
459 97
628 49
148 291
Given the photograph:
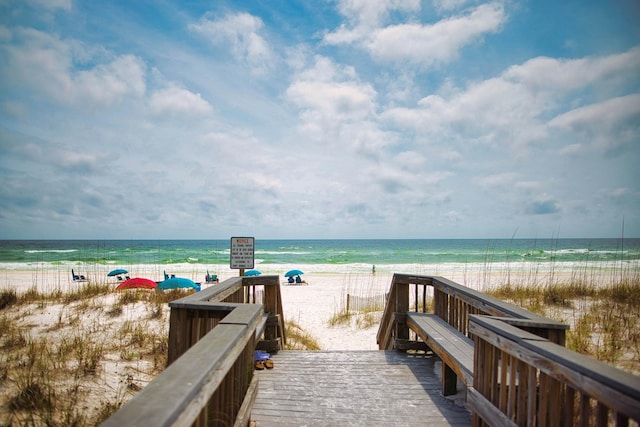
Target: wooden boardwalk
353 388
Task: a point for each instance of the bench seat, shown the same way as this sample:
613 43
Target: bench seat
454 348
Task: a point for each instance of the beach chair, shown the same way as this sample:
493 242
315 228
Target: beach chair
77 276
298 279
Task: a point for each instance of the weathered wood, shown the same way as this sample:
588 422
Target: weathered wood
490 414
384 337
178 394
455 349
361 388
244 414
401 304
552 368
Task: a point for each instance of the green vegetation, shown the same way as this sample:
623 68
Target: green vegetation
57 348
605 320
299 339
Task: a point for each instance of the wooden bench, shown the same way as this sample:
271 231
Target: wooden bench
454 349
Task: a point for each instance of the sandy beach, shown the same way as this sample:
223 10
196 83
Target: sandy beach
124 368
311 305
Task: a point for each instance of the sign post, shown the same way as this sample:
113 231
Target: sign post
242 253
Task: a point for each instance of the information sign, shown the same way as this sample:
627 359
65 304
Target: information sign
242 252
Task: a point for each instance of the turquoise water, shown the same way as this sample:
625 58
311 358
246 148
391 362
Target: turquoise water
23 253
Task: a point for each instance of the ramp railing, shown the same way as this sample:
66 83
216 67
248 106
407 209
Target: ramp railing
212 337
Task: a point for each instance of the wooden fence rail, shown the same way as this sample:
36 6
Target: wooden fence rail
453 303
522 379
212 337
522 374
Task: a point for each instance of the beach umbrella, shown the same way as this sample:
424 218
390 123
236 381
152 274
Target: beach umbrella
178 282
291 273
136 283
252 273
117 272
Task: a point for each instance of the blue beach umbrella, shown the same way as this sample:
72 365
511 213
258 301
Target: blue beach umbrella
291 273
117 272
252 273
178 282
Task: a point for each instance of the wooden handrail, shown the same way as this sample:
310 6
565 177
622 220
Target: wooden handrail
212 338
454 303
185 390
523 375
525 379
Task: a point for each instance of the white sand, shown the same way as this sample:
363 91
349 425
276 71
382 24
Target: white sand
311 306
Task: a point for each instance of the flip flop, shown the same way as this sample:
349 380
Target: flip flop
268 364
259 365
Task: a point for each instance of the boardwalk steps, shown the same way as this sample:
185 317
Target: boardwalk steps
354 388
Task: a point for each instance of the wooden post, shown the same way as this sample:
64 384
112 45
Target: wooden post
402 306
348 301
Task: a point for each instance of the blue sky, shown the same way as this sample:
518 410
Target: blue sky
324 119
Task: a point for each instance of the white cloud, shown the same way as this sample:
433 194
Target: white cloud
498 181
551 74
611 124
108 83
176 100
372 12
518 107
45 64
331 92
412 42
387 127
446 5
241 32
441 42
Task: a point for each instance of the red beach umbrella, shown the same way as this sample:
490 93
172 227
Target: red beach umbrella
136 283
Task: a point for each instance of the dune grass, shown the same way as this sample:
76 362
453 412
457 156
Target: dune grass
298 338
603 310
59 349
604 320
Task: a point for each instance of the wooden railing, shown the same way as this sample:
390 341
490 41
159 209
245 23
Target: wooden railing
453 303
212 337
522 379
523 375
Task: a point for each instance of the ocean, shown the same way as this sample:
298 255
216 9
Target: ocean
323 256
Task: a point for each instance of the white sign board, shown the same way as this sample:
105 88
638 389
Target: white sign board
242 251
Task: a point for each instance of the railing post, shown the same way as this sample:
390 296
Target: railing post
401 308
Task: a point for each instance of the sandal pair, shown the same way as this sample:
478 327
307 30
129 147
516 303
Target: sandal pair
260 364
262 360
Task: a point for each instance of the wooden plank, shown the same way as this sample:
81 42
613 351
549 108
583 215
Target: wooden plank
353 388
613 387
179 393
485 409
455 349
244 414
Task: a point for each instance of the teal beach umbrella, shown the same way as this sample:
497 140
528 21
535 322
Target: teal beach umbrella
291 273
252 273
117 272
178 282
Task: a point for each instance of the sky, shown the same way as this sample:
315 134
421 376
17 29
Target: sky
183 119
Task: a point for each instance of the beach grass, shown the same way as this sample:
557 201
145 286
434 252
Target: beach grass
57 372
604 319
50 370
298 338
601 305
